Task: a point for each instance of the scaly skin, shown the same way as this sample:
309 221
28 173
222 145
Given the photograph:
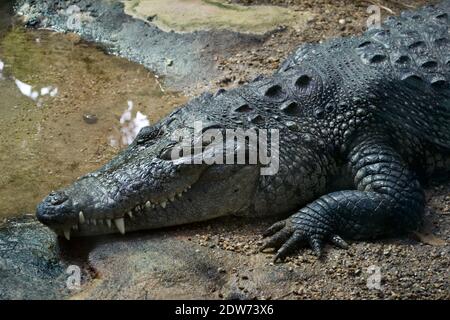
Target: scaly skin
361 120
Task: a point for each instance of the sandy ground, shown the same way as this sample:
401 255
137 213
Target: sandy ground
412 267
195 15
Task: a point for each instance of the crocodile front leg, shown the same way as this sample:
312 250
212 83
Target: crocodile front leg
388 201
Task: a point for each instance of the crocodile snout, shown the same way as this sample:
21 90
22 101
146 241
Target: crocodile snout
56 198
51 210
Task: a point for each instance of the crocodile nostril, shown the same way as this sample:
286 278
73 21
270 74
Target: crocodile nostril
57 197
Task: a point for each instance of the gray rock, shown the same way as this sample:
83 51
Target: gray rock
30 264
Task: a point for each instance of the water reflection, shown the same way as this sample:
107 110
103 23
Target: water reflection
28 91
129 126
2 65
51 91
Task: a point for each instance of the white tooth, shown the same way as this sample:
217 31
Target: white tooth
130 214
148 204
81 217
120 224
108 222
172 198
179 195
75 227
67 234
163 204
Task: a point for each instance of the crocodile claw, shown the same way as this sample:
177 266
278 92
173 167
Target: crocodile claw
288 235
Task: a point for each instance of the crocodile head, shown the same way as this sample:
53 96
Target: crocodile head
153 184
146 187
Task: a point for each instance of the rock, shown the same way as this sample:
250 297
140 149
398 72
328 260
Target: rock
311 19
221 270
30 262
90 118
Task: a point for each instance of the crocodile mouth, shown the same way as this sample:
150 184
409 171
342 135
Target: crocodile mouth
142 211
74 212
203 197
130 220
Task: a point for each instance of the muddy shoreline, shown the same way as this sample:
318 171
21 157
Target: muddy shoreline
187 61
220 259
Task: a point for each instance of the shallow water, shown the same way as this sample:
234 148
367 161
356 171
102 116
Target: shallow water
65 109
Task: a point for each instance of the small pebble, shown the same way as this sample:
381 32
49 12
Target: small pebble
90 118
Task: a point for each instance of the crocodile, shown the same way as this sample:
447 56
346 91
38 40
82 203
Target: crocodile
363 122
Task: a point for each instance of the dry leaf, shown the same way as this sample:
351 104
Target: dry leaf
429 238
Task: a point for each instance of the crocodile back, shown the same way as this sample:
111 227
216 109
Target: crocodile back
414 49
404 65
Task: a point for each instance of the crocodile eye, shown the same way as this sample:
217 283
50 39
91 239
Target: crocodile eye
211 126
148 133
166 153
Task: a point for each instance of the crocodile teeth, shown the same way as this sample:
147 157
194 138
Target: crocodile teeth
75 227
130 214
67 234
179 195
172 198
81 217
120 224
108 222
148 204
163 204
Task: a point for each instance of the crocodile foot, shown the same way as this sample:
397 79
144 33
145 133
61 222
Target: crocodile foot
298 231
